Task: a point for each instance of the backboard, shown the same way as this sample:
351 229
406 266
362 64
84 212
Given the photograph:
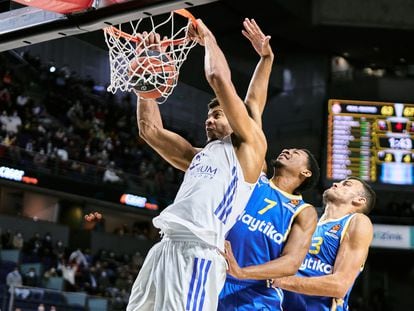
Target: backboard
24 25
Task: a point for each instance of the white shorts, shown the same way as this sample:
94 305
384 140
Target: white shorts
179 274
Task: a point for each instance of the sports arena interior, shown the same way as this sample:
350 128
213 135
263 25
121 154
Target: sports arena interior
68 147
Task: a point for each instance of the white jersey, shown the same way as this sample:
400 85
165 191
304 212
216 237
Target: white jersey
213 194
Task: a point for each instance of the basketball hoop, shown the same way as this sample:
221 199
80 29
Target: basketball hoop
134 65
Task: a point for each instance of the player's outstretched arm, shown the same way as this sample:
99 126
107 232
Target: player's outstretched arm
293 253
172 147
350 259
251 141
256 96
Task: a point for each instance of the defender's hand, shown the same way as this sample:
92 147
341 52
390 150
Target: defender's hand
257 38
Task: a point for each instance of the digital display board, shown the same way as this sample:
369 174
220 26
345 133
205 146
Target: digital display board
370 140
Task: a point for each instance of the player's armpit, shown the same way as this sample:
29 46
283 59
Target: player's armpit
172 147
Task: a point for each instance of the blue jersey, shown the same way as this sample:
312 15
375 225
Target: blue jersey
319 261
259 236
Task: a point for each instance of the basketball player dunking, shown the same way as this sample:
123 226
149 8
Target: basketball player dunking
185 271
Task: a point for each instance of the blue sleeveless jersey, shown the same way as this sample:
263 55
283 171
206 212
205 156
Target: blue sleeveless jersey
259 236
319 261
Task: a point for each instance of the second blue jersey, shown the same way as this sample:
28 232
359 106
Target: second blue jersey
319 261
262 229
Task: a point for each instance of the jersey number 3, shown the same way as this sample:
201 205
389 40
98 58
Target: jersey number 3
316 245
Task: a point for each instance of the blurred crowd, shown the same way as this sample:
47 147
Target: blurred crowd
104 274
60 123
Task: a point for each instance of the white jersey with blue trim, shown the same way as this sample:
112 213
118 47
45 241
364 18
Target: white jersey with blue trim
211 197
262 229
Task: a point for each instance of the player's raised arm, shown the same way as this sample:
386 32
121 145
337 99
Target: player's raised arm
250 140
172 147
351 257
256 96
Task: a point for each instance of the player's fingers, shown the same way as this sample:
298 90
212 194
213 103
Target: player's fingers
157 38
152 39
227 246
246 34
248 25
255 26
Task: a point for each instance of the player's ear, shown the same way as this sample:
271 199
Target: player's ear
306 173
360 200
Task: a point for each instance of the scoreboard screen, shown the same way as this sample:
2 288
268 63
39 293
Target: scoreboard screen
370 140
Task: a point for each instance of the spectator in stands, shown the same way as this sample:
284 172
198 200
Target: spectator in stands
49 273
30 278
41 307
47 241
59 249
35 239
103 281
68 273
14 123
40 158
90 281
33 250
6 240
18 240
111 175
78 258
141 230
14 278
5 97
22 100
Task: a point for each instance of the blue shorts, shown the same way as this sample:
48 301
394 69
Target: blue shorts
249 296
293 301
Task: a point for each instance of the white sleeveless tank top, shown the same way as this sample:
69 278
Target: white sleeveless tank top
213 194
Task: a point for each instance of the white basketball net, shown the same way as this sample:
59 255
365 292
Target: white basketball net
124 49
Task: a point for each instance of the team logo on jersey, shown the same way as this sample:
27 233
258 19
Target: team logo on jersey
199 169
196 160
294 202
264 179
335 228
333 232
291 205
263 226
316 265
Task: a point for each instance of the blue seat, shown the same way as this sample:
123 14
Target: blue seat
97 304
10 255
75 299
54 282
